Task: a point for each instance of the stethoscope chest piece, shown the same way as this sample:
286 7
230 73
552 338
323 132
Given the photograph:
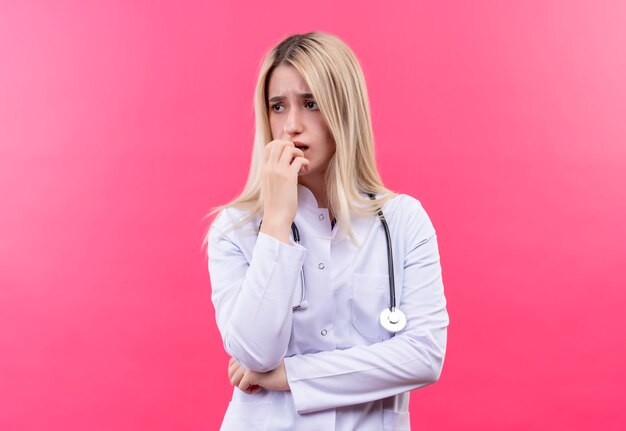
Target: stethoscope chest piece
393 320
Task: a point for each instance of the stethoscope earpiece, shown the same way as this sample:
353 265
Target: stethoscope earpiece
393 320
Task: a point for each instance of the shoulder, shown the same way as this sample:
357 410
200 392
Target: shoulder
231 220
404 204
409 212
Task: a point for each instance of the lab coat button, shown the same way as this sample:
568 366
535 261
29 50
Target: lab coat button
321 216
320 266
324 332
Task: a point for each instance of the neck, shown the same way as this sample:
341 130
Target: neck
318 188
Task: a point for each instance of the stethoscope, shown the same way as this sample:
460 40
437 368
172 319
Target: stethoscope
392 318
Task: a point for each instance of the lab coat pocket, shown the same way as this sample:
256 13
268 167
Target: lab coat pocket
246 416
396 421
370 296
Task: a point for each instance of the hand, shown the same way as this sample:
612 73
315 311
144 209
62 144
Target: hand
252 382
282 162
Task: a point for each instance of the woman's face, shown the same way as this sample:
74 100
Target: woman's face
295 116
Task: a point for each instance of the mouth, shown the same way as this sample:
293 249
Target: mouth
301 146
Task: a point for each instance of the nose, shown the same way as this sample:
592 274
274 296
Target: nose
293 125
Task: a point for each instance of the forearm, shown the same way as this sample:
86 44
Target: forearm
365 373
253 303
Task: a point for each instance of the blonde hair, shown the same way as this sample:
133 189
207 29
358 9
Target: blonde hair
336 81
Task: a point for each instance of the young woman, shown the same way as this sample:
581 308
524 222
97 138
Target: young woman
327 286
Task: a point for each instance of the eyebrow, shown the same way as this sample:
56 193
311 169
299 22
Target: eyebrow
301 96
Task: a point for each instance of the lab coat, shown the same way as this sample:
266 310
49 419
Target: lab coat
345 371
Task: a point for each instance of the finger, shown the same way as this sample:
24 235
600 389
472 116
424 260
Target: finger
299 163
235 373
267 150
247 381
232 365
237 376
276 147
231 372
278 150
289 154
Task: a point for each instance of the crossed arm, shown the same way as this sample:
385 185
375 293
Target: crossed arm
255 321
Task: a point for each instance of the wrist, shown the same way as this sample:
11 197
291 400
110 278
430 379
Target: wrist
277 229
275 380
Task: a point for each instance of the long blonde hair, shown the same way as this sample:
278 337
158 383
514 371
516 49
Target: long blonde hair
336 80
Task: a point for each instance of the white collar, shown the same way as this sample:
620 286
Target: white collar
306 198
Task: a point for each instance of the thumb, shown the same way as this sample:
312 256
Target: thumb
249 383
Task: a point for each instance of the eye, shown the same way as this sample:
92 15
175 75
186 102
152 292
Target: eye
274 106
314 103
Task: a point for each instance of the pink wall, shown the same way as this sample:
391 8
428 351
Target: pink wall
123 123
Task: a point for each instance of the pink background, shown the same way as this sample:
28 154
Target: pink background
123 123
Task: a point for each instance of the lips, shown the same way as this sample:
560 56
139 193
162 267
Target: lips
301 146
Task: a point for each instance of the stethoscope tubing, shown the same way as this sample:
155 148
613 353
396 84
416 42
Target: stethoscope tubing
392 286
392 318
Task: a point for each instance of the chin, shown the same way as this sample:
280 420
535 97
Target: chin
304 174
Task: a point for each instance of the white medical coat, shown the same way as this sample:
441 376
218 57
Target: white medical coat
345 371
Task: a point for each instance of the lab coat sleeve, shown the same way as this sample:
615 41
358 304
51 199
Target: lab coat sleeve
253 299
411 359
